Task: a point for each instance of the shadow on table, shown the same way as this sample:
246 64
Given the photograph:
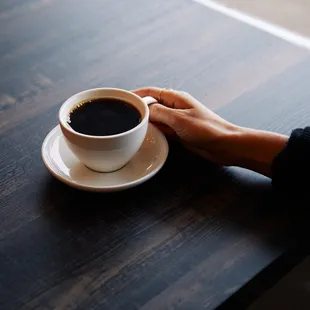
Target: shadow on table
186 182
192 213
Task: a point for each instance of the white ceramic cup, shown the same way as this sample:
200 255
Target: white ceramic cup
105 153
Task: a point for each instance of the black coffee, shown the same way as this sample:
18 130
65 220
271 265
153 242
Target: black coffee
104 117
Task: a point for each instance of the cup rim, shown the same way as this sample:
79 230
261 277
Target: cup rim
65 126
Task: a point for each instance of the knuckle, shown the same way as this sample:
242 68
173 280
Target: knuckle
156 108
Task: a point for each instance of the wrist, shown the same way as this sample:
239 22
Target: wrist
256 149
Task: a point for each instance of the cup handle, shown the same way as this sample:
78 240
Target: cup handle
149 100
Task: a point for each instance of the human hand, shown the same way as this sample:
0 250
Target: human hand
181 116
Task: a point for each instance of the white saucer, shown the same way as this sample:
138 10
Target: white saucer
64 165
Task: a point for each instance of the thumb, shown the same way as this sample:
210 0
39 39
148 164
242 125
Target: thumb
162 114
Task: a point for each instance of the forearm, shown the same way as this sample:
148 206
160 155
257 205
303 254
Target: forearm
256 149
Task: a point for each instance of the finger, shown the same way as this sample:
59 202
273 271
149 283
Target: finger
148 91
167 131
162 114
168 97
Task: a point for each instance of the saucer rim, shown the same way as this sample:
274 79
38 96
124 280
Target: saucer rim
111 188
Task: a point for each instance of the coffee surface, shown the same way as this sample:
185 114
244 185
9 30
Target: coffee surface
104 117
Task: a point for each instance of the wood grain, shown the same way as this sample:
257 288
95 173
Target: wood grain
194 234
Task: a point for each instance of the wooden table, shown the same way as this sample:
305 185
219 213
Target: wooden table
194 235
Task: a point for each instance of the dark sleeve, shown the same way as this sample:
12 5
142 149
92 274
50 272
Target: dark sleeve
291 167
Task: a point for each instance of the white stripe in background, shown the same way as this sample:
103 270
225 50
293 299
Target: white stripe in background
275 30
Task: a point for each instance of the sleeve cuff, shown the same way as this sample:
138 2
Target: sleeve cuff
291 167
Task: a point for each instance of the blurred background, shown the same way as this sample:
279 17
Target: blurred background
290 14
